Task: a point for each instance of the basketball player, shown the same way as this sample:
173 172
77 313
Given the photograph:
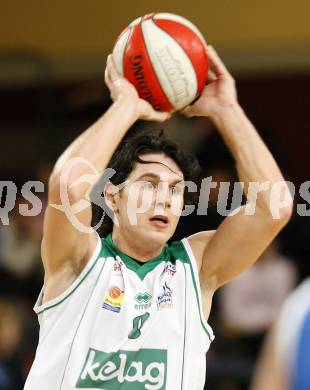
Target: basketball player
127 311
285 357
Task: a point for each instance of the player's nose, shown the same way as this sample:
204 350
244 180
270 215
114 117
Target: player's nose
163 198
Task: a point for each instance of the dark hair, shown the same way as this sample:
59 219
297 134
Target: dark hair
128 154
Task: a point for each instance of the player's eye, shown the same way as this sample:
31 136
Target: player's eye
148 185
175 190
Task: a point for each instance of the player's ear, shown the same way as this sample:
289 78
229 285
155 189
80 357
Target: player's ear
111 195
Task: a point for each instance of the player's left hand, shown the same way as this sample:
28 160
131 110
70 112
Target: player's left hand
121 88
219 93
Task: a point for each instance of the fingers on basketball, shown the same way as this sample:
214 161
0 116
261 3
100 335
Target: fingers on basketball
211 76
113 73
107 78
160 116
156 116
217 66
188 111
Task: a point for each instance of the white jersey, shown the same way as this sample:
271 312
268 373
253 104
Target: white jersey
125 326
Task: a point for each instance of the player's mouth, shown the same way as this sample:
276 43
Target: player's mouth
160 221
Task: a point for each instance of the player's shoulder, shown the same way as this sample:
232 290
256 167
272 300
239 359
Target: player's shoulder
201 238
199 242
192 246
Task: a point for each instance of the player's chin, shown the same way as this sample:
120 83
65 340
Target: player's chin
158 235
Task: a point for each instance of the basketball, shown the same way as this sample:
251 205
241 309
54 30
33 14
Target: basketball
163 55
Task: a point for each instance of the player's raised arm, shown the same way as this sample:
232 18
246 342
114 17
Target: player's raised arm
65 248
241 238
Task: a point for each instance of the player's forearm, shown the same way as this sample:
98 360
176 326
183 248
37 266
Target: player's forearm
97 144
254 161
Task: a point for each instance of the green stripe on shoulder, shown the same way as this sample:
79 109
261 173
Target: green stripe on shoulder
178 252
210 336
99 253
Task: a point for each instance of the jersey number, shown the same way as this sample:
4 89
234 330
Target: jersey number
138 322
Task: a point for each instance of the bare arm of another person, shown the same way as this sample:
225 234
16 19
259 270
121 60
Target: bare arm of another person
65 249
269 374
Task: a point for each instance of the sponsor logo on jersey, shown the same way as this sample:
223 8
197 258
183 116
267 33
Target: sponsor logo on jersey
164 299
145 369
170 268
118 264
143 301
114 299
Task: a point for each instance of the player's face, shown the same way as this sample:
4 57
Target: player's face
150 204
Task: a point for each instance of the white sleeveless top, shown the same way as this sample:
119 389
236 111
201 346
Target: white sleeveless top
125 326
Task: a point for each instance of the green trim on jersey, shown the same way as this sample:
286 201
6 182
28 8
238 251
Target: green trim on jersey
103 254
176 251
70 293
181 251
140 270
184 338
196 291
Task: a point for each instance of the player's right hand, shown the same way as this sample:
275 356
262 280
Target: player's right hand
219 94
121 88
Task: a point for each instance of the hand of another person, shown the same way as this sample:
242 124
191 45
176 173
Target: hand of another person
121 88
218 94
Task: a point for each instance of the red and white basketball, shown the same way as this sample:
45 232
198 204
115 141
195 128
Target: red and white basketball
163 55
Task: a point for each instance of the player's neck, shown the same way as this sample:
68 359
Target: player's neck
133 248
